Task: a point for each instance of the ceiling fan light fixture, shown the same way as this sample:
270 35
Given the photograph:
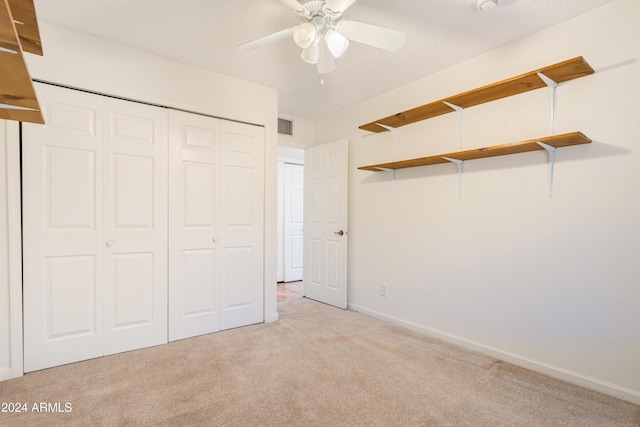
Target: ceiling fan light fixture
324 35
336 42
311 54
305 34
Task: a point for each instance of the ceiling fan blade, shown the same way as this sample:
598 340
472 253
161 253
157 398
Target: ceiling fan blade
383 38
339 5
326 62
292 4
271 38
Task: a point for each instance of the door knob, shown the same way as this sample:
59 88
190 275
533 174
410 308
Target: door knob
110 243
339 233
215 239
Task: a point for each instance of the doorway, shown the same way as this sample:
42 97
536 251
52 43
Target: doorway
290 224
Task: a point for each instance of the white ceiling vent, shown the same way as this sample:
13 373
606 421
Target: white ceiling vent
285 127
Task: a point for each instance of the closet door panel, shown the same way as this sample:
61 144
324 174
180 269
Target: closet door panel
62 175
199 282
242 225
199 190
70 199
194 234
135 232
132 290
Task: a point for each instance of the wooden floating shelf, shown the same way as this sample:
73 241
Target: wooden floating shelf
557 141
17 95
561 72
24 12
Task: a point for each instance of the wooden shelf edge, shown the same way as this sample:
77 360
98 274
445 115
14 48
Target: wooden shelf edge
24 11
563 71
17 92
557 141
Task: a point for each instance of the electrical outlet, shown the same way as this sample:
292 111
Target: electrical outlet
383 289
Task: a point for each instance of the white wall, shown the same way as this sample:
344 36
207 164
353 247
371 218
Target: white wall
10 253
84 61
95 64
550 283
290 155
303 134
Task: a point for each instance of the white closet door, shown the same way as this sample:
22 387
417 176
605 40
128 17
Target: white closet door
135 226
62 176
95 220
194 230
242 225
216 230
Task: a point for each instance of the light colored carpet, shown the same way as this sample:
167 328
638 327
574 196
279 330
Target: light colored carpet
317 366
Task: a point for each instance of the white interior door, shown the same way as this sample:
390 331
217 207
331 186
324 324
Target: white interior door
194 225
325 223
241 237
94 203
135 226
293 221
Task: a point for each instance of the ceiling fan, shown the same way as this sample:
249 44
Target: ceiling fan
324 35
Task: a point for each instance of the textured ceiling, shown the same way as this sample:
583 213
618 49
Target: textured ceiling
206 33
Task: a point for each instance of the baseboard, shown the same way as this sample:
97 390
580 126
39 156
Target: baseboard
604 387
273 317
6 374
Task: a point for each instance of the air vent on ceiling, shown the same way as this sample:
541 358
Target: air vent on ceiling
285 127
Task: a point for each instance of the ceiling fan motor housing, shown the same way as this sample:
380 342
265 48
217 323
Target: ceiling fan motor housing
320 15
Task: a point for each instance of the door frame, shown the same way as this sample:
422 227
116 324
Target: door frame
295 156
10 136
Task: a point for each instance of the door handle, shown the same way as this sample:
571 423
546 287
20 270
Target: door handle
215 239
110 243
339 233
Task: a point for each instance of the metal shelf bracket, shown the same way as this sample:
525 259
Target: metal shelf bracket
389 128
392 171
16 107
460 164
7 50
553 86
393 140
461 111
552 160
